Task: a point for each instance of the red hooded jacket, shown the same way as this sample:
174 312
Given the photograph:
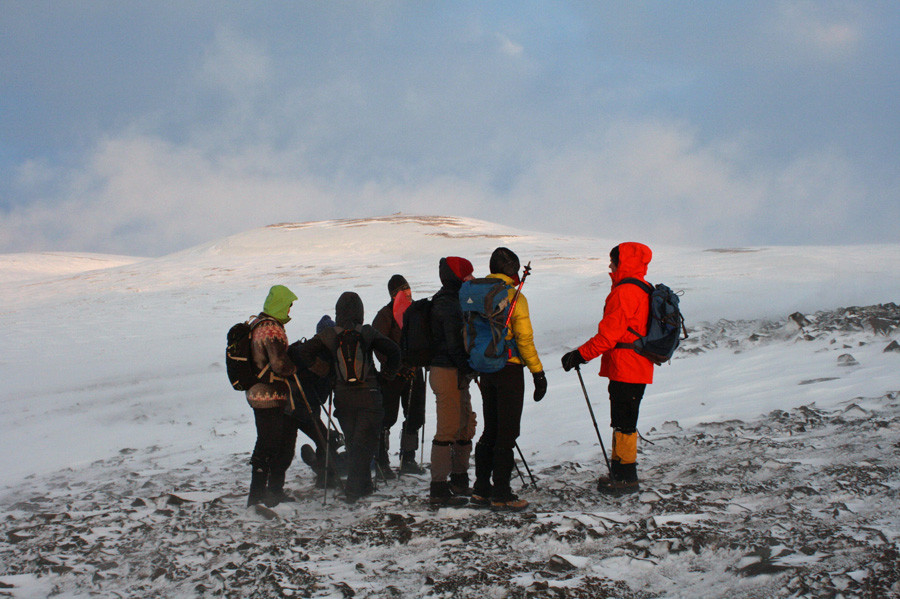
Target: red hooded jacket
627 306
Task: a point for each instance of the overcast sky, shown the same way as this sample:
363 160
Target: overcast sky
144 128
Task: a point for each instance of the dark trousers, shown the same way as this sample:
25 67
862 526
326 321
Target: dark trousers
311 425
624 405
502 397
276 437
410 394
360 415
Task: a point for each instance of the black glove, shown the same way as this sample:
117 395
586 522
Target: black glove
540 385
572 360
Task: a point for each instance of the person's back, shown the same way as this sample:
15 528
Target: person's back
358 405
502 394
449 377
447 318
274 448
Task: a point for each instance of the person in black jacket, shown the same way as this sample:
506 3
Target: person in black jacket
357 398
312 393
449 376
408 389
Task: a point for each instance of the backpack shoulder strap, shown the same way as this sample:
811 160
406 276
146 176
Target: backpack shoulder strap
255 321
632 281
368 333
648 288
329 338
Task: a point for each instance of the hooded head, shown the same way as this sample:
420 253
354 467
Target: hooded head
278 303
396 284
631 260
453 270
505 262
324 323
348 311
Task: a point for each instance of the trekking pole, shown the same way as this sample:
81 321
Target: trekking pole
316 422
328 450
527 469
406 417
422 445
519 472
596 428
527 271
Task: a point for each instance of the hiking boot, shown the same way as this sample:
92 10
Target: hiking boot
353 495
308 455
510 503
258 479
331 481
275 493
383 471
479 501
275 497
408 464
617 487
459 484
441 496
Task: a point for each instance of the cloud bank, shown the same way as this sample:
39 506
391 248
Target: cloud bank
662 123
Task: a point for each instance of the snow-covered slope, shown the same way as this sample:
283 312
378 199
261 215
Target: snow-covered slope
113 367
20 268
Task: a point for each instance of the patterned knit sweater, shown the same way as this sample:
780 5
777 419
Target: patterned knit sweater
268 347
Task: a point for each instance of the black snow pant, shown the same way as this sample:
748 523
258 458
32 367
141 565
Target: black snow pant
624 407
410 394
502 398
276 437
360 414
311 425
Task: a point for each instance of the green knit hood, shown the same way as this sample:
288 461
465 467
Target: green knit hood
279 302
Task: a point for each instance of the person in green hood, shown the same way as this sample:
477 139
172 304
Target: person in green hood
276 436
278 303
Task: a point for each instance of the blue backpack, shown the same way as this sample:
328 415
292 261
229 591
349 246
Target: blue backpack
664 325
485 307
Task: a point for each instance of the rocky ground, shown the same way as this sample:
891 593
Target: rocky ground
798 503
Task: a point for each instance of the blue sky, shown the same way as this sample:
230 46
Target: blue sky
147 127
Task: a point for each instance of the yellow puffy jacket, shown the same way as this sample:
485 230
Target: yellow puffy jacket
520 328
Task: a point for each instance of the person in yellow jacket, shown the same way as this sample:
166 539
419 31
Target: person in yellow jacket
502 395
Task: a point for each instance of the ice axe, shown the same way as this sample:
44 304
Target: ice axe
596 428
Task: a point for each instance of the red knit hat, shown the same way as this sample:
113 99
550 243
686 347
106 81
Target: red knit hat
461 267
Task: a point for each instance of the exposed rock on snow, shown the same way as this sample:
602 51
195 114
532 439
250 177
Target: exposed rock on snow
799 503
847 360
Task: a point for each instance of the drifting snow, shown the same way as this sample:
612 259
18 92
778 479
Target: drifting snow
773 469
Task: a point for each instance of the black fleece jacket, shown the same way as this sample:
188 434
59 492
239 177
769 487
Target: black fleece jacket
447 323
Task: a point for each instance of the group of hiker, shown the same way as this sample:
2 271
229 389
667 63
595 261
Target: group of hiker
294 382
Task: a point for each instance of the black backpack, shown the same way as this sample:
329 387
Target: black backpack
664 325
416 339
352 356
242 373
315 388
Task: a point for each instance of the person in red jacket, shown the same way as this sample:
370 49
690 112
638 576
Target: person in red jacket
624 320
